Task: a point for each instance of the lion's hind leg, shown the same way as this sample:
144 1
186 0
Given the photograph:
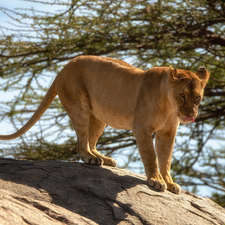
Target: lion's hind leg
81 127
78 109
96 127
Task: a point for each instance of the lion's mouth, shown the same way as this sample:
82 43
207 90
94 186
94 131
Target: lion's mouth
189 119
186 119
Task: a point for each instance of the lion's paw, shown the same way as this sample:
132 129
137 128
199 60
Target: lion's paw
91 159
174 188
110 162
113 163
157 184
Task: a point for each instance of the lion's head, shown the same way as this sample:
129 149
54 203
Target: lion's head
186 91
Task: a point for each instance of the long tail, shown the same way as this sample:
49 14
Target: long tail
49 97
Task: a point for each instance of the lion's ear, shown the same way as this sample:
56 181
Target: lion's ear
203 74
175 77
172 74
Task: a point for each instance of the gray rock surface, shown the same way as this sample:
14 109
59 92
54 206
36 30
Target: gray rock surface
50 192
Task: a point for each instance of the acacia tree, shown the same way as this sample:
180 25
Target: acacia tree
145 33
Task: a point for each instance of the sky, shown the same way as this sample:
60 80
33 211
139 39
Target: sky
12 4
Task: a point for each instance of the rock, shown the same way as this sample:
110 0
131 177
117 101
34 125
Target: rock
50 192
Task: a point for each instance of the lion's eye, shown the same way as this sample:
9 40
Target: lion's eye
198 97
182 96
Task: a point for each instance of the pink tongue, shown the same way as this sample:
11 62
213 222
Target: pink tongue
189 119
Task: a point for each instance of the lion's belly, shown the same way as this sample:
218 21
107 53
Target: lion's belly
114 119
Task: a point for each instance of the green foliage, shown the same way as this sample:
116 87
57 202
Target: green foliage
219 199
42 150
146 33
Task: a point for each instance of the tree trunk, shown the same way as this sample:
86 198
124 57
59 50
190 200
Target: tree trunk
51 193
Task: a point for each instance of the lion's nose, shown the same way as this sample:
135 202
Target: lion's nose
191 113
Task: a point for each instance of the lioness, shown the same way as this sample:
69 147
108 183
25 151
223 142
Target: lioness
96 91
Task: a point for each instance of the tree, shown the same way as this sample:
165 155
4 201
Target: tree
145 33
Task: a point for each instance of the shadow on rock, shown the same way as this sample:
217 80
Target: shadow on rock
97 193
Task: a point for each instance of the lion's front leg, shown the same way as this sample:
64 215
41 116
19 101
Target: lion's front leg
164 147
148 156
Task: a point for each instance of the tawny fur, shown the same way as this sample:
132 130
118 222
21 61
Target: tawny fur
97 91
